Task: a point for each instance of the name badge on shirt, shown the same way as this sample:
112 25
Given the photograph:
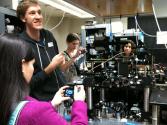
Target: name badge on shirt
50 44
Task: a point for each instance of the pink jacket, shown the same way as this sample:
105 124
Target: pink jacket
43 113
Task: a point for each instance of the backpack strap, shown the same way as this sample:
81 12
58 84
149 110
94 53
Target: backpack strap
14 116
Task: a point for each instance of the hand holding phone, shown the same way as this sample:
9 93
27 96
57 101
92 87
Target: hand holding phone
79 93
59 97
82 50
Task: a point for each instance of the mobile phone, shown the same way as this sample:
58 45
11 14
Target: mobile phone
82 50
69 92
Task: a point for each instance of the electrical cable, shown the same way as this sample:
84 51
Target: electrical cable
45 16
106 61
59 22
155 16
47 19
110 23
137 42
142 30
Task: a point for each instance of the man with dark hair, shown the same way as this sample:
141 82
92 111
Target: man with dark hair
128 48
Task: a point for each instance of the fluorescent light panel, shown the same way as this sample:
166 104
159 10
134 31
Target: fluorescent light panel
161 37
67 7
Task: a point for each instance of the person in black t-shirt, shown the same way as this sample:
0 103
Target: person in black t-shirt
47 78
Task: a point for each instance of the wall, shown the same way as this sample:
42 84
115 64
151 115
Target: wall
160 8
67 25
71 24
9 3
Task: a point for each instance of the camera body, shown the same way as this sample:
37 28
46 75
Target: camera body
69 92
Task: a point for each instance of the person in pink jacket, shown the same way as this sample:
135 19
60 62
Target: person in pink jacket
16 70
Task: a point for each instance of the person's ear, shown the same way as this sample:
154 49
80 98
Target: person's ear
23 19
23 65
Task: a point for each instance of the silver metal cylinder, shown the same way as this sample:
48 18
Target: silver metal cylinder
146 99
155 114
89 98
102 94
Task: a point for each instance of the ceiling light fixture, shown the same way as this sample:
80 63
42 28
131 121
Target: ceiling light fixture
67 7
